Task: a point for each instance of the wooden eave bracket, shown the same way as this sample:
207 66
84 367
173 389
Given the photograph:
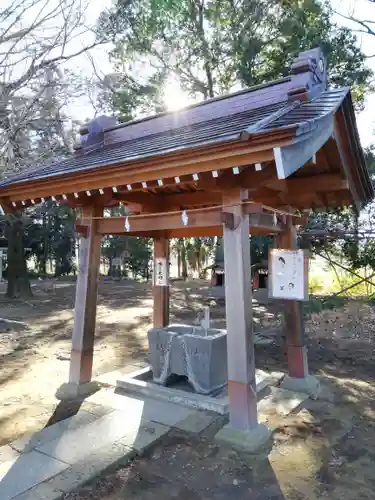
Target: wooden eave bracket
6 206
339 130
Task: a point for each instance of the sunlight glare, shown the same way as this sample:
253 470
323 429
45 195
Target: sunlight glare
174 96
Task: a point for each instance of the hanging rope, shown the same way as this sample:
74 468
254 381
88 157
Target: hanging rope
187 212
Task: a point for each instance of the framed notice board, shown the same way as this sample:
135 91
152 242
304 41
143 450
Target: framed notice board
288 274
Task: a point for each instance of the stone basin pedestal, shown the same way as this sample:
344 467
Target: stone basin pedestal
194 352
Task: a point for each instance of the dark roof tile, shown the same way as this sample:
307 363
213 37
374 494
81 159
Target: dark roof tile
221 120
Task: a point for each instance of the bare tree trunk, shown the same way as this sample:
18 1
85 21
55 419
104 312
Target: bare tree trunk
178 262
205 47
18 280
183 259
43 261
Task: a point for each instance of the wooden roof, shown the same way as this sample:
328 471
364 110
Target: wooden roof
291 142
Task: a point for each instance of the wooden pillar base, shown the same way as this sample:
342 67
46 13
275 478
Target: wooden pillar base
81 364
297 361
71 390
242 405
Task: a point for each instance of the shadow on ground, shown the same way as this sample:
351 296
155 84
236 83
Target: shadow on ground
325 449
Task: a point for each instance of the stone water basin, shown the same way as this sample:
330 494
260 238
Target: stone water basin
190 351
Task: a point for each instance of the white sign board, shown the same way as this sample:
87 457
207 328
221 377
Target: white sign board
160 272
288 277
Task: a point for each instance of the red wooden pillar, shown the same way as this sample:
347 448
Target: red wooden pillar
293 316
161 282
238 297
81 361
243 429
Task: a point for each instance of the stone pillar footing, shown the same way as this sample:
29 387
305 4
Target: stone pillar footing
250 441
72 390
309 385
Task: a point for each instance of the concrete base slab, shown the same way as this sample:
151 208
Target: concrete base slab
110 378
309 385
280 401
197 422
71 390
132 384
249 441
140 383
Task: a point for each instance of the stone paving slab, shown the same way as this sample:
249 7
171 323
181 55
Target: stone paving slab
7 453
117 453
52 432
40 492
98 410
82 442
120 452
27 471
163 412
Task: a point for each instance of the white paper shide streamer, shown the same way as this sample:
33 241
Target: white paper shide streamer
184 218
127 224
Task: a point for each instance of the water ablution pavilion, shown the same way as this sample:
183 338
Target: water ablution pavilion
246 163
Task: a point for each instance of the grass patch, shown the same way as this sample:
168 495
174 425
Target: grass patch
317 304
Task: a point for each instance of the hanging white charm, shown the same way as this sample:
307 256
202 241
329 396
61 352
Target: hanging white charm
184 218
127 225
274 219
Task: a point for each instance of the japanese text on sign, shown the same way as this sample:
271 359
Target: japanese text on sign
160 272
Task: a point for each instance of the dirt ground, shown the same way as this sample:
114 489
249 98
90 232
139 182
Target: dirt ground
35 361
324 450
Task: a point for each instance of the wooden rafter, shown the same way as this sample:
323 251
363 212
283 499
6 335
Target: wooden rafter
234 155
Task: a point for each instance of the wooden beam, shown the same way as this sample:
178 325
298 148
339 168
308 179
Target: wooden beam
85 304
311 184
201 232
160 222
166 201
200 218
